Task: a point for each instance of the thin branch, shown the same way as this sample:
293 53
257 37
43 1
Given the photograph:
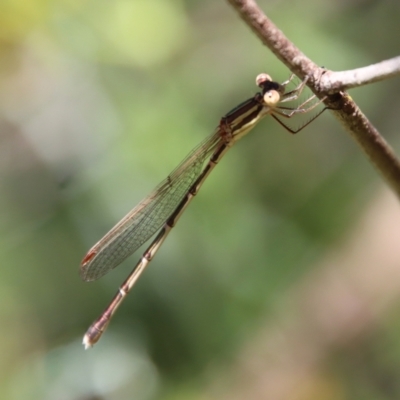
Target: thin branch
345 109
370 140
332 82
276 41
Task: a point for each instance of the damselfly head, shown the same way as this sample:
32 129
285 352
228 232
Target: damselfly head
262 78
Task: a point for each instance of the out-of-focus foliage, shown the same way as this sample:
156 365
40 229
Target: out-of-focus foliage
99 100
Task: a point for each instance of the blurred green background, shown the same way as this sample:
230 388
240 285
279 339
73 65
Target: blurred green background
99 101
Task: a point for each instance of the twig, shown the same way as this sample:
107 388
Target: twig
332 82
369 139
345 109
276 41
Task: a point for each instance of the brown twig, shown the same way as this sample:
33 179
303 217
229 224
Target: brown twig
345 109
332 82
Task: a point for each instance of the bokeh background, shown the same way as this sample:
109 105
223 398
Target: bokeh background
282 279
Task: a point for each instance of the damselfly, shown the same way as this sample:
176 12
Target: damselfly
164 206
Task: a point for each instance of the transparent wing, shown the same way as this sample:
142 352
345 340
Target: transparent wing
148 216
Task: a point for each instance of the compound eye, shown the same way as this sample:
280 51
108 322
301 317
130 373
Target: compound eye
262 78
271 98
